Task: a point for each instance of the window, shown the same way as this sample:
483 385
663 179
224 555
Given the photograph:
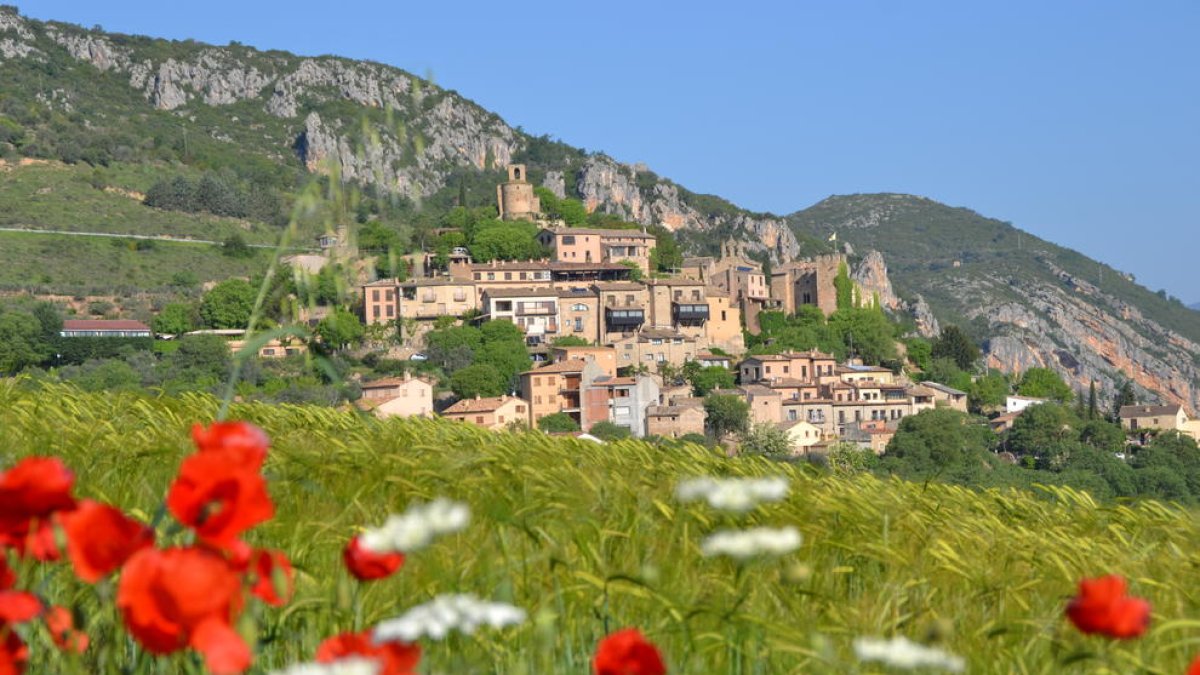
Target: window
785 370
537 381
508 276
568 240
268 352
661 357
500 419
722 315
391 311
478 276
695 295
578 325
656 341
375 311
479 419
520 410
579 307
678 295
537 400
621 411
375 295
629 299
491 276
521 276
841 417
792 414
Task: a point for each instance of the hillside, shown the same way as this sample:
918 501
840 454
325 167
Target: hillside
90 121
1035 303
588 538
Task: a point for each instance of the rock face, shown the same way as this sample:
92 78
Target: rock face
872 275
441 130
615 188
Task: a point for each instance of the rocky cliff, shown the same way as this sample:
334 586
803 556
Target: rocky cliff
406 136
1031 302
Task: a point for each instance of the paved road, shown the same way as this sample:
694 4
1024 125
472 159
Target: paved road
154 237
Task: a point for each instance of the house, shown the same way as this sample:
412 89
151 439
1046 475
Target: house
624 399
327 240
380 304
604 357
496 412
558 387
857 372
674 421
810 365
533 310
947 396
708 360
406 396
582 244
386 300
1002 423
873 436
654 346
1144 419
119 328
1016 404
802 436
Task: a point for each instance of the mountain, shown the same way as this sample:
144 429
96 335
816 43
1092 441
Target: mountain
91 121
1032 302
1195 306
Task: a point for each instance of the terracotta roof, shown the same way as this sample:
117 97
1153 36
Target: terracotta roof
944 389
478 405
670 410
709 356
391 382
382 282
758 390
421 283
1130 411
920 391
103 324
663 334
596 231
767 357
568 366
577 292
676 281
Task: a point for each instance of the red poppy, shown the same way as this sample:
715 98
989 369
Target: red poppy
100 539
218 499
61 625
1103 608
173 598
34 538
367 565
272 576
627 652
244 442
395 658
36 487
1194 669
14 654
18 606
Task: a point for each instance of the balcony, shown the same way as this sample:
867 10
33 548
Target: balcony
689 311
536 308
624 317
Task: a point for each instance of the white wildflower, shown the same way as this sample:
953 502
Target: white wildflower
900 652
347 666
447 613
414 529
742 544
732 494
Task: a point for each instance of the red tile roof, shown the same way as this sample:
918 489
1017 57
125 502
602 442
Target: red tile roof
103 324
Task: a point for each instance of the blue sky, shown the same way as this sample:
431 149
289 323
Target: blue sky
1077 121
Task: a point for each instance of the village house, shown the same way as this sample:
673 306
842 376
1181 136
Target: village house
675 421
533 310
872 435
1144 420
405 396
121 328
494 413
604 357
579 309
624 399
624 305
558 387
1016 404
654 346
802 436
582 244
947 396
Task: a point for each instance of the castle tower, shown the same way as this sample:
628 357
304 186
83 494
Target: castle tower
515 199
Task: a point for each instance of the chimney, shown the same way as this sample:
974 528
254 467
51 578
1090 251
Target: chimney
407 376
476 397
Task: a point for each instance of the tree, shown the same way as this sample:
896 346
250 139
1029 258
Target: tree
199 359
1093 406
174 319
937 442
919 352
844 287
726 414
607 431
1125 396
988 391
1046 432
20 342
559 422
1044 383
479 379
867 332
235 246
228 304
569 341
666 256
954 344
704 380
635 271
765 439
340 329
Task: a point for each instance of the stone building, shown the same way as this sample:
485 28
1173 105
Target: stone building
591 245
807 282
496 412
515 199
406 396
674 421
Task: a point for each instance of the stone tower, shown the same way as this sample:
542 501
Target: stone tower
515 199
